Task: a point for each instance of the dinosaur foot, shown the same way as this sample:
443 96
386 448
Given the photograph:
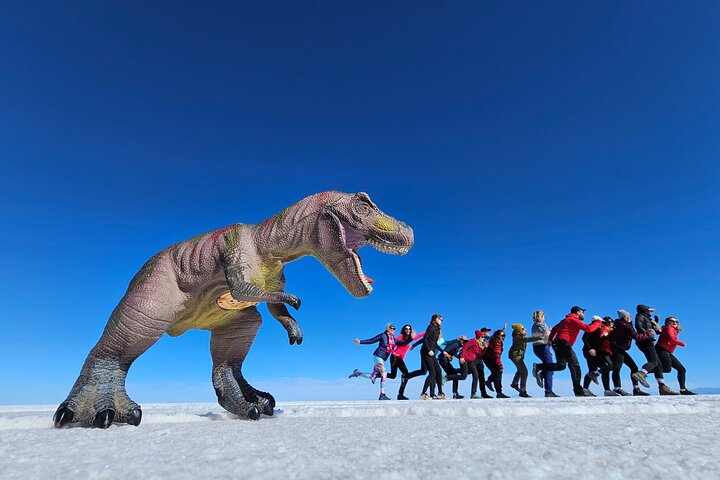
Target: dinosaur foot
102 418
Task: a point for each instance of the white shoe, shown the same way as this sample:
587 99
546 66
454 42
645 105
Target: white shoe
424 396
610 393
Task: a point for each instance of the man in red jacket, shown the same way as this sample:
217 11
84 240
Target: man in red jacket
562 337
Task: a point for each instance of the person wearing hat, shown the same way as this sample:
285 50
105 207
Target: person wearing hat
645 324
563 337
469 362
386 345
447 352
517 355
666 346
542 349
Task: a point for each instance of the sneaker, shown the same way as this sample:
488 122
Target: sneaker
476 397
551 395
584 393
383 397
594 377
501 395
639 393
402 397
665 390
441 396
489 385
685 391
611 393
355 373
485 395
524 394
621 392
424 396
435 397
641 377
457 396
539 379
515 387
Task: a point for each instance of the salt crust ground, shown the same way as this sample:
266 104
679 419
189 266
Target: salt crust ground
565 438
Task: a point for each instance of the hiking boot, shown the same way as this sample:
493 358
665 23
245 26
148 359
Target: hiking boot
594 377
641 377
621 392
515 387
489 385
355 373
383 397
685 391
611 393
485 395
424 396
476 397
402 397
665 390
457 396
639 393
441 396
551 394
501 395
584 393
539 379
524 394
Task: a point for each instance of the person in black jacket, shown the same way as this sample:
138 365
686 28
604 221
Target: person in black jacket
429 359
645 324
447 352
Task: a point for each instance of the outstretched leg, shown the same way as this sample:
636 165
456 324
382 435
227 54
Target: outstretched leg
98 397
229 346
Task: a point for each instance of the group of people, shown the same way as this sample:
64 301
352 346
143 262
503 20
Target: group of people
606 342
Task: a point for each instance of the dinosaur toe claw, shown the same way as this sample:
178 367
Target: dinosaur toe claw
253 413
63 416
135 417
104 418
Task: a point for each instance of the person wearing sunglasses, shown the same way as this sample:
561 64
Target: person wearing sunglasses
666 346
493 359
397 358
386 345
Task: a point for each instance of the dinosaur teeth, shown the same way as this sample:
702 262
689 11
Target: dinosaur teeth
386 248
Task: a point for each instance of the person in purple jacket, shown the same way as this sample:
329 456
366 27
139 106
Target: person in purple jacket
386 345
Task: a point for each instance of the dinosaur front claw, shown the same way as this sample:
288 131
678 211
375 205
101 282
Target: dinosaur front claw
63 415
294 302
135 417
104 418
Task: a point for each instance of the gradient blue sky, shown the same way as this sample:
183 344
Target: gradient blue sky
546 154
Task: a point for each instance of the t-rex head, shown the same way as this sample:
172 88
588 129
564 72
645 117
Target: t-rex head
350 222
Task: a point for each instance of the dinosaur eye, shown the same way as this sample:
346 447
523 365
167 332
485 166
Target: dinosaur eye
362 208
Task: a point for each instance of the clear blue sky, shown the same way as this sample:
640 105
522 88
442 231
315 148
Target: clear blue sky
545 154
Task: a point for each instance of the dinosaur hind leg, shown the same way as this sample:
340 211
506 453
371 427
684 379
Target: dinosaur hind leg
229 346
98 397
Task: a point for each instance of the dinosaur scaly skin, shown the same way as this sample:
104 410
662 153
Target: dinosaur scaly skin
214 282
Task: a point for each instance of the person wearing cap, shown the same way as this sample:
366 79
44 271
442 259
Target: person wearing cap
493 359
665 347
469 354
563 337
645 324
542 349
516 354
386 345
447 352
620 342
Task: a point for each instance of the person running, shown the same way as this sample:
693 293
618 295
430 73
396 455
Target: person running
386 344
665 347
620 342
517 355
447 352
645 324
563 337
469 355
590 344
493 359
397 360
433 333
542 349
600 355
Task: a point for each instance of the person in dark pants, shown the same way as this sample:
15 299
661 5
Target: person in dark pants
397 359
666 346
447 352
645 324
469 356
429 359
516 354
589 350
620 342
563 337
599 355
493 359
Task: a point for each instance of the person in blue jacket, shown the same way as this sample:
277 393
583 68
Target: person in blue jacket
386 345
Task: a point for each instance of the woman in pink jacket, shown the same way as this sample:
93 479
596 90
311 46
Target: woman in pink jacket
665 347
